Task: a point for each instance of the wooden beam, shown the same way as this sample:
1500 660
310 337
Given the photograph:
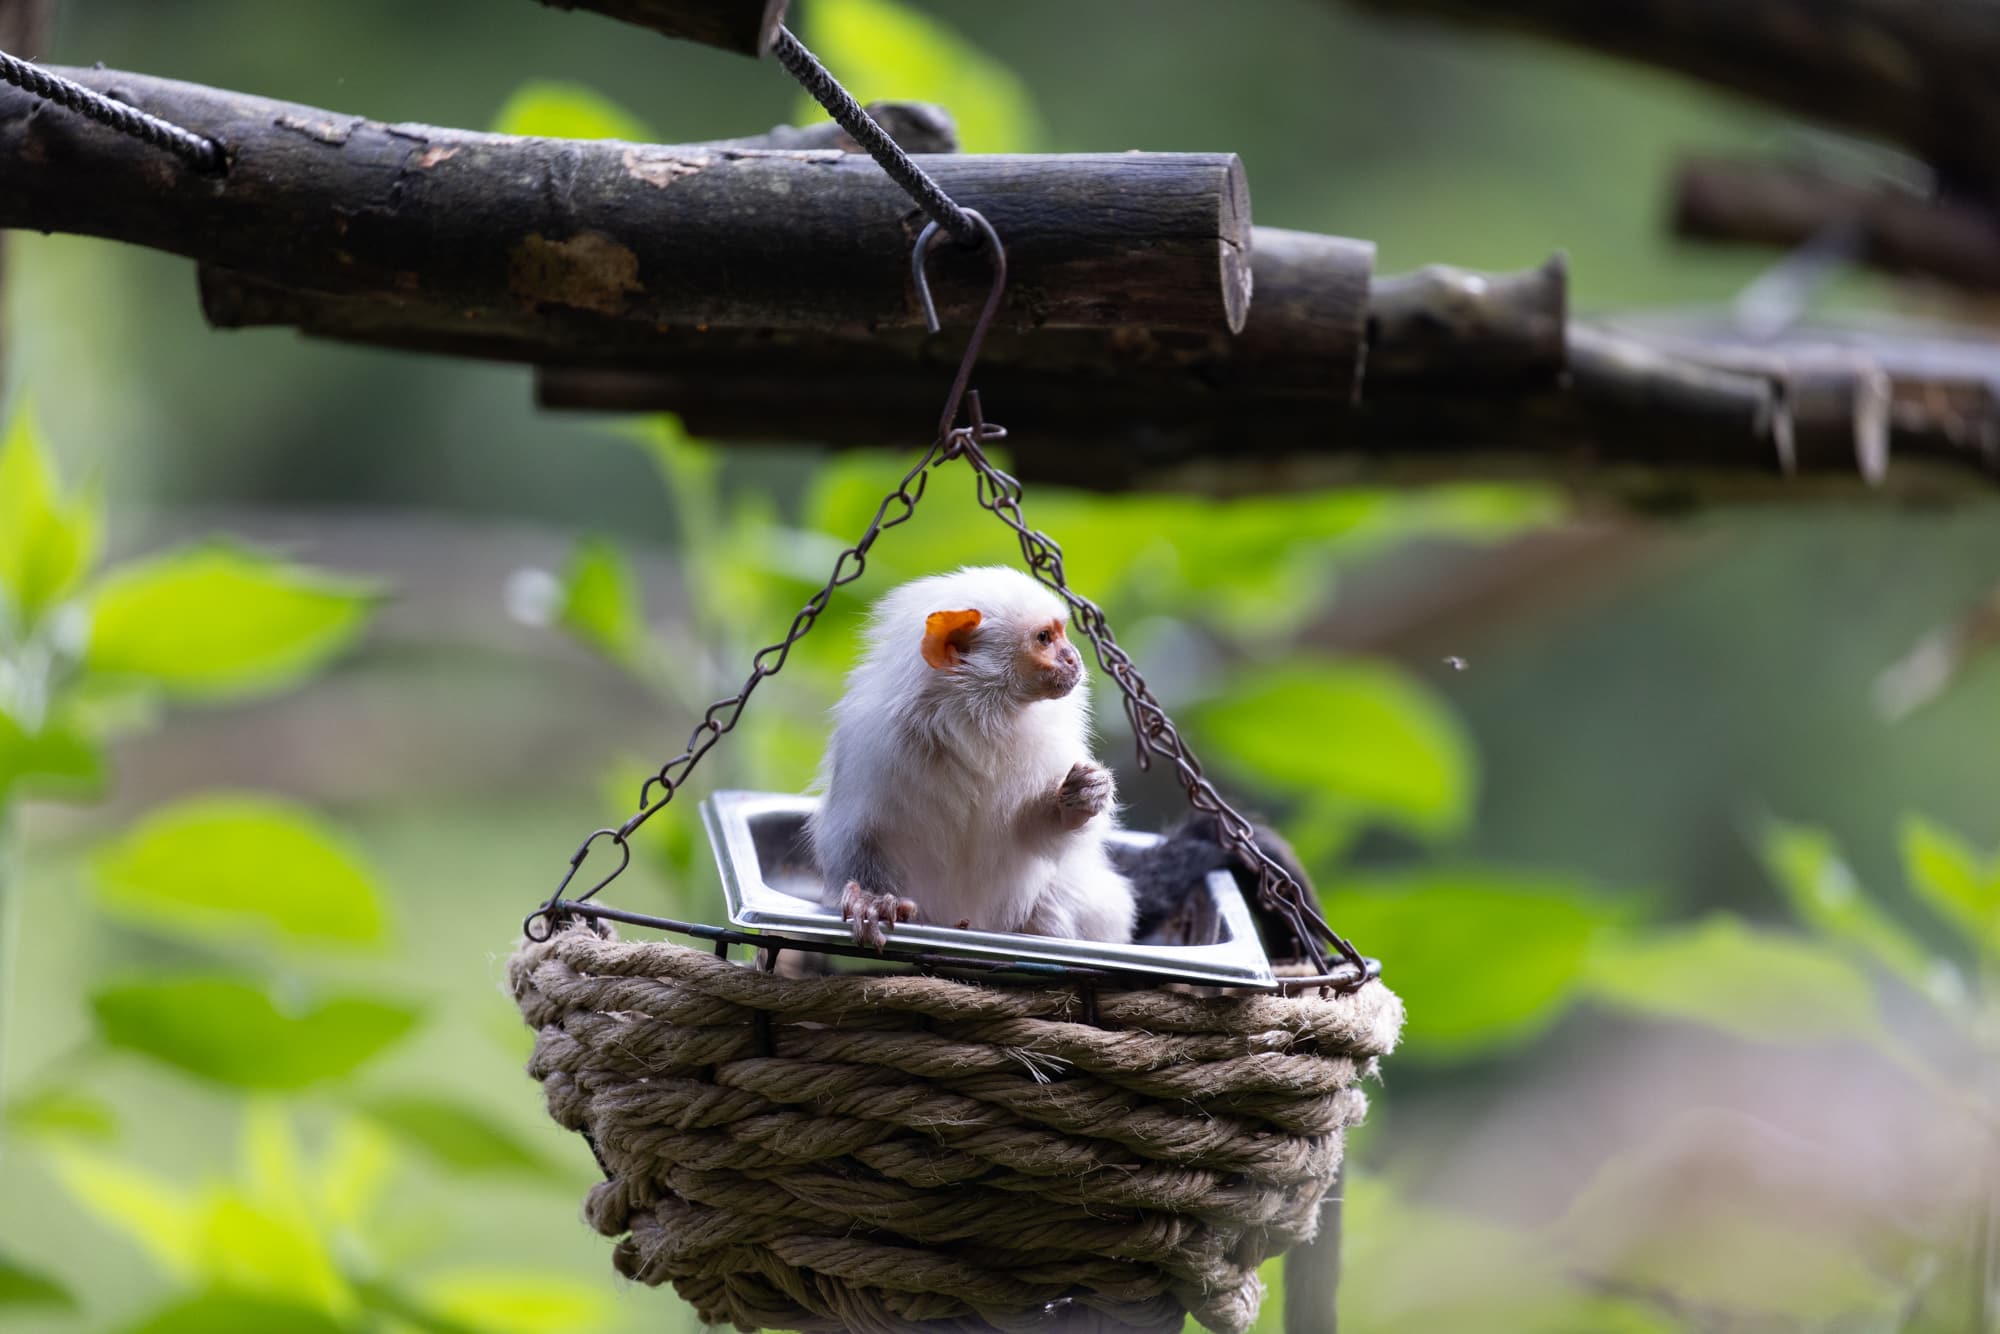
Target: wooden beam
1774 204
1444 325
1919 73
744 26
664 235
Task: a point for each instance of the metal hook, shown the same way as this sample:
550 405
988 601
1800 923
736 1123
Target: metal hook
540 924
918 256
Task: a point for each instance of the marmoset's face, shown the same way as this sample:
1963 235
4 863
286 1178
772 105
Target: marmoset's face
1046 663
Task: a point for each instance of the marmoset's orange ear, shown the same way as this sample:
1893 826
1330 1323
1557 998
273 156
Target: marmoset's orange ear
947 635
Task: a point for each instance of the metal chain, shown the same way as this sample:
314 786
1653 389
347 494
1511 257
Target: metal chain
804 66
1153 732
199 151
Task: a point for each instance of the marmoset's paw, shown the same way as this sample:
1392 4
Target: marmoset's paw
873 915
1085 793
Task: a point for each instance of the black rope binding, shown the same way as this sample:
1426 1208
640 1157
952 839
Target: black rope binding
814 77
198 150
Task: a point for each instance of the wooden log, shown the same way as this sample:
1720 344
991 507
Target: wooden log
1778 205
490 223
1919 73
917 127
1304 334
1635 420
1716 418
744 26
1443 324
1942 385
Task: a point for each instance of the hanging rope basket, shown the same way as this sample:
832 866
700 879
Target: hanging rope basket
1094 1148
877 1153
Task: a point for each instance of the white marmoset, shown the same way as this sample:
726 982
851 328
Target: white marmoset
958 787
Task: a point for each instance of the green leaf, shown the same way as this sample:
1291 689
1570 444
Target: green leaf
884 50
456 1136
21 1286
601 600
1362 734
1736 978
548 109
1482 958
55 761
1823 891
230 866
232 1031
58 1113
162 1217
45 544
225 1312
1949 877
214 620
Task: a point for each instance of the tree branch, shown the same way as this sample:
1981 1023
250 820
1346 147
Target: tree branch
1778 205
1919 73
490 224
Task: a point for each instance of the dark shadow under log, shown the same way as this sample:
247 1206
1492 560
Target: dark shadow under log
691 236
743 26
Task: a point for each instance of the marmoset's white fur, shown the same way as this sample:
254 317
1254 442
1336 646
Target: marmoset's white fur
958 787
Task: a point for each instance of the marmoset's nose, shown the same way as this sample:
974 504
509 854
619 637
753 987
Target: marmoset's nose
1068 657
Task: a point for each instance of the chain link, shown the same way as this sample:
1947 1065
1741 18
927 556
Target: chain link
1153 732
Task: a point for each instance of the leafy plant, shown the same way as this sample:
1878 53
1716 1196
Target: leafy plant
244 903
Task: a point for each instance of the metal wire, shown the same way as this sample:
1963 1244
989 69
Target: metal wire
204 154
804 66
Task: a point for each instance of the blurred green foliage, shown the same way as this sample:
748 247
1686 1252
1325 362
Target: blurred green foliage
258 898
886 50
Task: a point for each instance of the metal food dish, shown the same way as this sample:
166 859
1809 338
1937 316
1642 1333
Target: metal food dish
771 887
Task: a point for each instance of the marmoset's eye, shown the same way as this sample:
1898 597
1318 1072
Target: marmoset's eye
1044 638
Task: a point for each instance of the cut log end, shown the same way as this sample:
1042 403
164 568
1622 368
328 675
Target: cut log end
1235 231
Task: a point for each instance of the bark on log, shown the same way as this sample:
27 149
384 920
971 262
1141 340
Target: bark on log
1643 421
1446 324
744 26
1943 387
730 237
916 127
1787 206
1917 72
1305 331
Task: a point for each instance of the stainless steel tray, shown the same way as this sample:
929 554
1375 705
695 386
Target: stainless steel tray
772 887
